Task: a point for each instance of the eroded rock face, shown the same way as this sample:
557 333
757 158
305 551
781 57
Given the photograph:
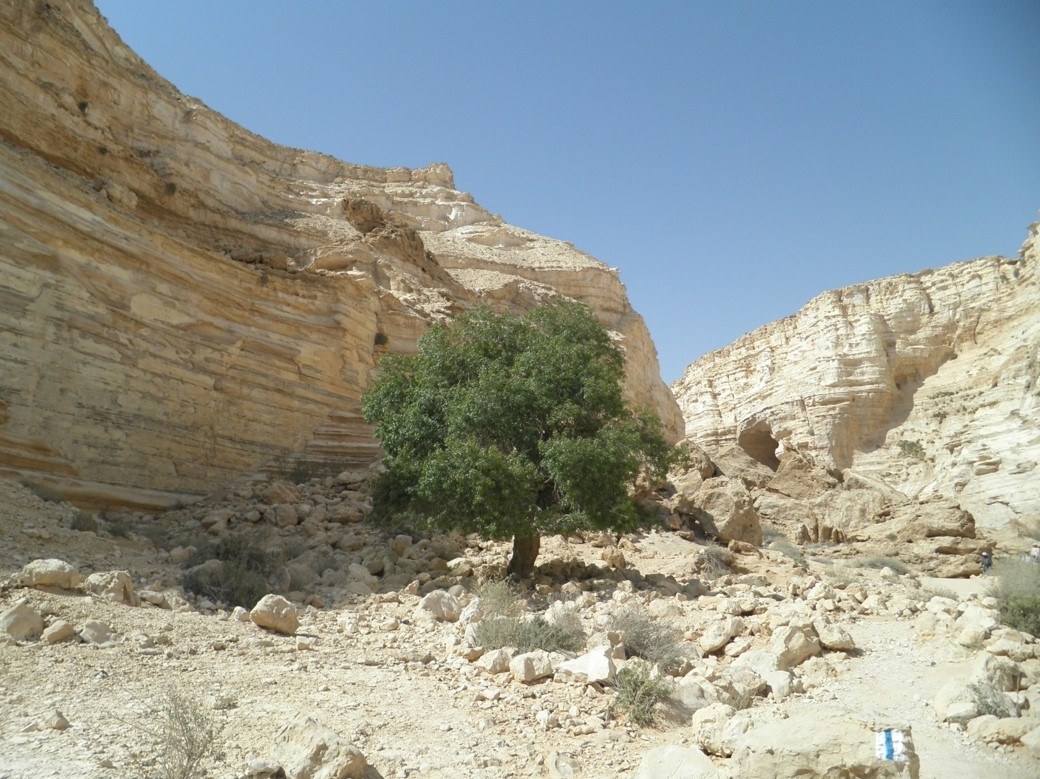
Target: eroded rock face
182 301
927 383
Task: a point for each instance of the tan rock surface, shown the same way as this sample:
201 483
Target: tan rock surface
182 301
928 383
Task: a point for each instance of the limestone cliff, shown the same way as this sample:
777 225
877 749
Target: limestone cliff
182 301
929 382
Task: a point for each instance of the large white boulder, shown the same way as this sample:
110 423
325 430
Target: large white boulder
274 612
21 621
824 745
308 750
673 762
596 665
50 573
439 605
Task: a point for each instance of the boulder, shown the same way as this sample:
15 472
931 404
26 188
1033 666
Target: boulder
116 586
496 661
439 605
800 480
21 621
95 632
824 745
531 666
734 462
719 634
274 612
794 645
724 508
50 573
596 665
1002 730
833 637
58 631
673 762
308 750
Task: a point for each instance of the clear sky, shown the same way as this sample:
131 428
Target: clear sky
732 158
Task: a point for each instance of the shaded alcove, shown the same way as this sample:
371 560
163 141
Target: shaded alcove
757 440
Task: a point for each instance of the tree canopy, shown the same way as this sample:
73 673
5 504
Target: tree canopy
512 426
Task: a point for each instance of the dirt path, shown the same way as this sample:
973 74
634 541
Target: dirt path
893 683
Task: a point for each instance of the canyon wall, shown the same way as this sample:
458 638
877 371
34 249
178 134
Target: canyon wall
929 382
182 301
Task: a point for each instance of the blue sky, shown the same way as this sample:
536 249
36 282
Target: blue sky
733 159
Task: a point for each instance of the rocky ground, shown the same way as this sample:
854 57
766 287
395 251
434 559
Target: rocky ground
791 660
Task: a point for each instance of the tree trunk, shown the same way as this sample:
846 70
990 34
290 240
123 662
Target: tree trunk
525 550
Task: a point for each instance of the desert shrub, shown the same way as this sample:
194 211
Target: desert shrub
185 734
649 639
528 635
84 521
912 449
639 692
242 577
117 526
1018 594
45 494
711 562
500 599
881 561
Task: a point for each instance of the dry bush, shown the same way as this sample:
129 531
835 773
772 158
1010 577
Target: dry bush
527 635
653 641
713 561
84 521
183 732
500 599
243 576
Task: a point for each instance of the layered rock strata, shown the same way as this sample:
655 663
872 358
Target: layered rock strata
182 301
928 383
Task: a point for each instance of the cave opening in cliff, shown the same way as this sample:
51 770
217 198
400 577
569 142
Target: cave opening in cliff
759 443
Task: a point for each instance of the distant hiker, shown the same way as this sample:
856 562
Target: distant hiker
1034 554
987 561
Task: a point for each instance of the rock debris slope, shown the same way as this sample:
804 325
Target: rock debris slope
929 382
182 301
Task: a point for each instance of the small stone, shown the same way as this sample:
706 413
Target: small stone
54 720
94 632
531 666
439 605
58 631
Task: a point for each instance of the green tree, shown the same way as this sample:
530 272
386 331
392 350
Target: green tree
512 427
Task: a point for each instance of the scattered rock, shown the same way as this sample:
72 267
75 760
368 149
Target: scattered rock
672 762
95 632
439 605
116 586
21 621
274 612
58 631
50 573
306 749
531 666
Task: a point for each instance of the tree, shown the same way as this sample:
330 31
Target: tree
512 427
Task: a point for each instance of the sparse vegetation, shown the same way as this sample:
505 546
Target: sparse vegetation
241 574
649 639
186 735
784 546
1018 594
117 526
500 598
711 562
881 561
84 521
526 635
912 449
45 494
639 691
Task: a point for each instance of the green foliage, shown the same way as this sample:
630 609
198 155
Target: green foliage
912 449
646 638
512 426
638 693
1018 594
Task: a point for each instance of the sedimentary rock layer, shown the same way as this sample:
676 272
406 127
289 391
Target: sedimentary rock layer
930 382
182 301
